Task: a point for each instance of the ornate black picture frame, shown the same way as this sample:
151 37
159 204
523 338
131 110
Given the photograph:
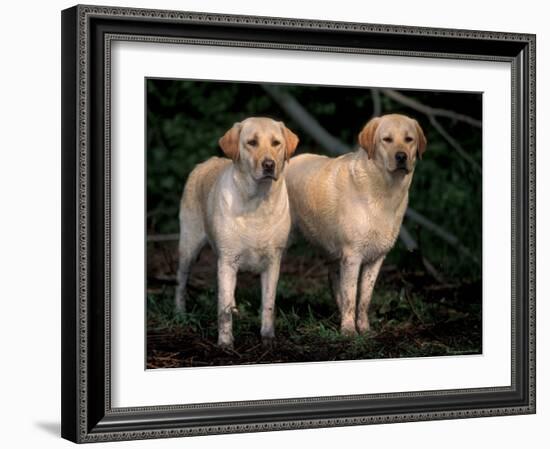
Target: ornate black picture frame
87 33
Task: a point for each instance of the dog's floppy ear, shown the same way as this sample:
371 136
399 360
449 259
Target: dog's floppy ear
291 141
229 143
366 136
422 142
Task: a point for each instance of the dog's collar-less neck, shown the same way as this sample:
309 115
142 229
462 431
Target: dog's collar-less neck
367 175
249 188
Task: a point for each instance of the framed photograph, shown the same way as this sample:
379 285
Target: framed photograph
275 224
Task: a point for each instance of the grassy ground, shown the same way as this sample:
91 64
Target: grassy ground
411 315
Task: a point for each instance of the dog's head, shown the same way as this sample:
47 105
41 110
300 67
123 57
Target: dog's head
260 145
394 142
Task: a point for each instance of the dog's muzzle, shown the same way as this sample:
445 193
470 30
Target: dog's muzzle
401 159
401 162
268 167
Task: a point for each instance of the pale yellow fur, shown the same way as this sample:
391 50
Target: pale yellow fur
243 213
352 206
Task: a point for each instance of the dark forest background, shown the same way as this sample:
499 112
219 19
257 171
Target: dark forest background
428 297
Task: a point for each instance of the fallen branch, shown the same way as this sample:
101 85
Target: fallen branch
428 110
412 245
376 102
305 120
454 143
432 270
407 239
443 234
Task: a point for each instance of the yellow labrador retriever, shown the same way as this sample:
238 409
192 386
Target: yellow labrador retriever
240 206
353 206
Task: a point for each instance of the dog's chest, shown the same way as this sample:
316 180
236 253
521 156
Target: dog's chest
255 260
372 229
253 242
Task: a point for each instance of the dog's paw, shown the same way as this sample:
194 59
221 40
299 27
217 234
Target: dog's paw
363 326
225 343
268 342
179 301
348 331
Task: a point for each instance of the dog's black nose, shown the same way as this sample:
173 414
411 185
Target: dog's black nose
268 165
400 157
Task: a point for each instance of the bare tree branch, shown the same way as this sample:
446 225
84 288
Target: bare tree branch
412 245
443 234
376 102
454 143
432 270
407 239
306 121
428 110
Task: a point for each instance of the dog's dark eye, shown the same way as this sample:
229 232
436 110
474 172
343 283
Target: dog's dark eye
387 139
408 139
275 143
252 142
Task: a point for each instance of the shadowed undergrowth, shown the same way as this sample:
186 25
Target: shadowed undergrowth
411 315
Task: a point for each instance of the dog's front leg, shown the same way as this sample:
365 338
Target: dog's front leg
270 277
368 279
334 283
227 279
350 266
